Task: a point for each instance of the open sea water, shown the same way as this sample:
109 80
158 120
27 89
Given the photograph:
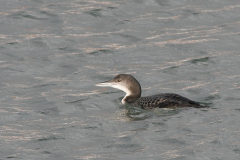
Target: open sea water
52 52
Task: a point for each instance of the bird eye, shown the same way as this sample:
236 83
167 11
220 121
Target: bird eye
119 80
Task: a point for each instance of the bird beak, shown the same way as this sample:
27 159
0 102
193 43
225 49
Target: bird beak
105 84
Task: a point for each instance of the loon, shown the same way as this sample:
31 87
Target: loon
132 88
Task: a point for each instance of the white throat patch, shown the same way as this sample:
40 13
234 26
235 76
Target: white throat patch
125 89
117 86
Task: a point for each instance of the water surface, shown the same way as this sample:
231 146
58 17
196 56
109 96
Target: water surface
53 52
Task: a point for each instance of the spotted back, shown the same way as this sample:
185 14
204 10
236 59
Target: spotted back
165 100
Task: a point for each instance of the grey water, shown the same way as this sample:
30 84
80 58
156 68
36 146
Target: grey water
53 52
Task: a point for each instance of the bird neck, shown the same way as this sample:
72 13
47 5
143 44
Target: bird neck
130 98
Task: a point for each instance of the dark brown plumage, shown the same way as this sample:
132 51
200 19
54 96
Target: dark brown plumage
165 100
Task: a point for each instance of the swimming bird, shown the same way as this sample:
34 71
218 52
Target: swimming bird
132 88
